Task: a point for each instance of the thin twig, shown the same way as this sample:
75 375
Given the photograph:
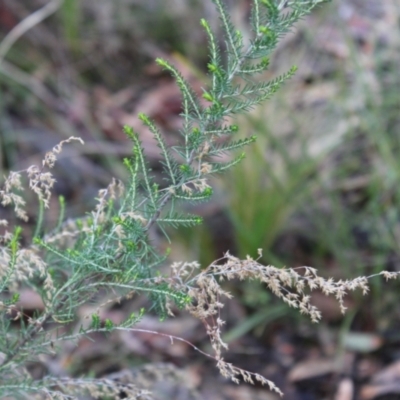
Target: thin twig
26 24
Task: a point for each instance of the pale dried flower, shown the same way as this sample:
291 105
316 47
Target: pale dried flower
50 157
186 189
205 168
287 284
204 151
7 196
113 191
134 216
23 267
389 275
40 182
201 184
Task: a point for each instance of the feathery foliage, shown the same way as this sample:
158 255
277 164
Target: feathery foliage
110 252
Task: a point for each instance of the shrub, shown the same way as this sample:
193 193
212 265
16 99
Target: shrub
110 250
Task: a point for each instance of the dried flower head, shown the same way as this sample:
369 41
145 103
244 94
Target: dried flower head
39 181
290 285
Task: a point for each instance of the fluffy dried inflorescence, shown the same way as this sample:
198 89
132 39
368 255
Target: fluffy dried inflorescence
291 285
17 264
7 196
40 182
204 289
114 251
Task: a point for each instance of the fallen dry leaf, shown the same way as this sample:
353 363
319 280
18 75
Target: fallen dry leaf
345 390
370 392
388 375
313 369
